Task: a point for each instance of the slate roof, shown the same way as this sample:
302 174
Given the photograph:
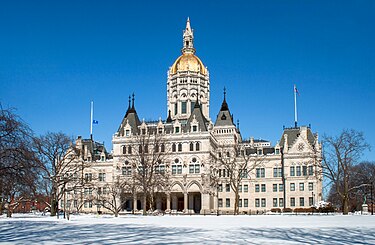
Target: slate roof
224 118
293 134
132 118
198 115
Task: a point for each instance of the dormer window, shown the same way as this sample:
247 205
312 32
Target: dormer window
177 130
143 131
127 132
160 130
195 128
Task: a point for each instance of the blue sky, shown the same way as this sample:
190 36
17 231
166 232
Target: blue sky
57 56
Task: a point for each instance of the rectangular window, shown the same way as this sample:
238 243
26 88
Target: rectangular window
240 188
191 169
227 203
220 189
292 187
246 202
281 202
183 107
262 173
304 170
227 188
244 173
292 202
90 204
281 187
292 171
257 188
301 186
197 168
177 130
220 202
302 201
298 170
274 187
263 187
240 203
174 169
257 202
277 151
263 202
311 186
274 202
245 188
311 170
175 109
86 205
311 201
179 169
274 172
102 177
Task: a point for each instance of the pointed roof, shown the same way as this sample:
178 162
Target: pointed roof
188 28
131 117
224 118
197 114
294 133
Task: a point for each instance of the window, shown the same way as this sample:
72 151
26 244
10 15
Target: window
183 107
146 148
274 202
219 172
175 109
177 130
227 202
274 172
160 130
180 147
292 171
292 202
311 170
127 132
260 151
174 169
220 203
263 187
304 170
240 188
197 146
220 187
156 148
197 168
124 150
311 186
195 128
277 151
302 201
246 202
281 202
311 201
244 173
191 168
227 188
257 202
127 170
281 187
298 170
263 202
174 147
102 177
292 187
140 149
192 106
88 177
129 150
301 186
257 188
191 146
143 131
260 172
162 148
240 203
179 169
90 204
274 188
245 188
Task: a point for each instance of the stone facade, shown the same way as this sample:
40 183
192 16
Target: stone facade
286 175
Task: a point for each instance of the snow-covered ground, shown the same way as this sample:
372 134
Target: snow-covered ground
260 229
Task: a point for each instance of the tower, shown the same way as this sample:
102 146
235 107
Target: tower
187 78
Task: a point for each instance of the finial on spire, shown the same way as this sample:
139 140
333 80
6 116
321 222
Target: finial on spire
129 101
133 101
188 39
225 93
188 24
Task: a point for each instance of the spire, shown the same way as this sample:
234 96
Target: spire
129 103
188 39
132 101
169 119
196 105
224 105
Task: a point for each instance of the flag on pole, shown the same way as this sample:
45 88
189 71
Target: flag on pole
296 90
95 122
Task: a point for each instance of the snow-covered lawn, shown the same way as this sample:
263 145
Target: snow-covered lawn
260 229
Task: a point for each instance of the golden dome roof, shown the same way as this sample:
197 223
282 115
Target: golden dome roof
188 62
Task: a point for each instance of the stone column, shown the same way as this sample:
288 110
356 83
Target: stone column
168 202
135 203
205 199
185 202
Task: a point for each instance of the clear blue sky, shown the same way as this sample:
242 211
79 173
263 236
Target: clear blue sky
56 56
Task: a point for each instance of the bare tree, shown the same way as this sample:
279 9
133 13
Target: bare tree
17 161
112 196
148 164
341 154
235 164
57 164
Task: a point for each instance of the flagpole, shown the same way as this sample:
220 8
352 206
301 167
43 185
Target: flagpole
295 106
91 117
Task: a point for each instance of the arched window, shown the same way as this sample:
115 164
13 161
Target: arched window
156 147
140 149
129 150
174 147
191 146
124 150
162 148
146 148
197 146
180 147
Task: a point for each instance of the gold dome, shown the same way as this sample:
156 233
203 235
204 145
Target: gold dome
188 62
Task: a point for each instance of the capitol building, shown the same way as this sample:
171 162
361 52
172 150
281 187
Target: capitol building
190 163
